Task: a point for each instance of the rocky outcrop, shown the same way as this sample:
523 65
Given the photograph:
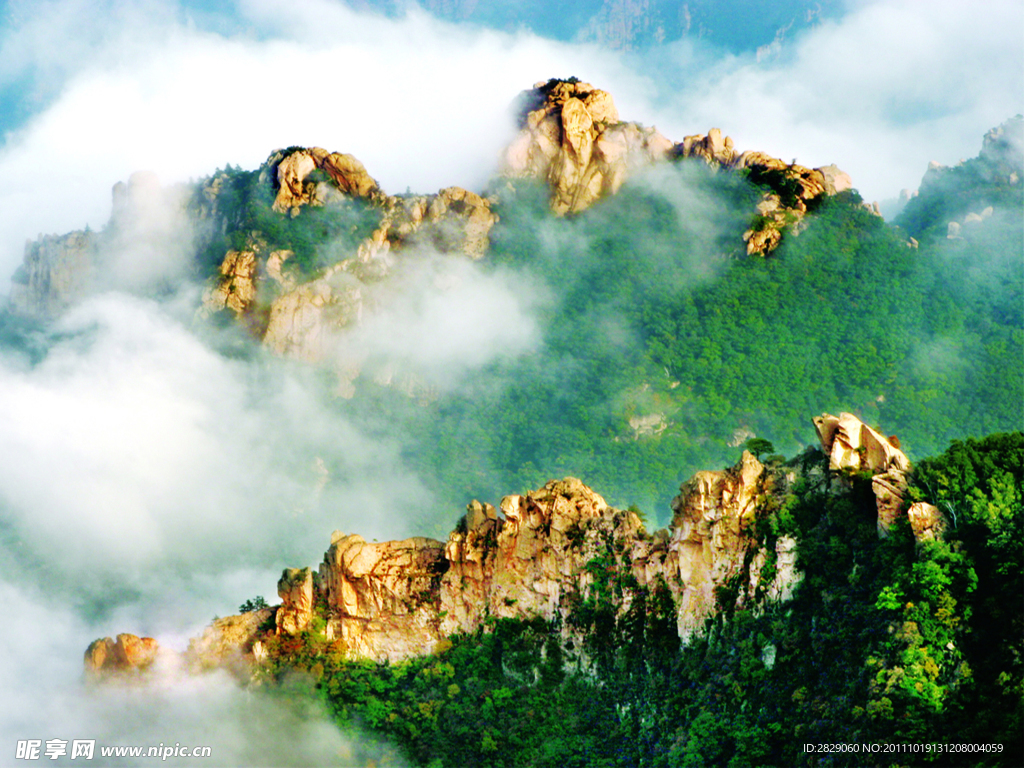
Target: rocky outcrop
345 172
302 318
236 289
231 643
295 588
382 598
540 555
127 654
571 137
853 447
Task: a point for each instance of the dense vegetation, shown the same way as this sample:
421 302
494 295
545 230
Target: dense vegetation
662 346
242 211
885 642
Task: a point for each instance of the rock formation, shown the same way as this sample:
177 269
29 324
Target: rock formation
230 643
540 554
299 317
544 554
853 447
571 137
534 557
127 654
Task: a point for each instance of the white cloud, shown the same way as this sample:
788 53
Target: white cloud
422 103
441 317
132 451
880 92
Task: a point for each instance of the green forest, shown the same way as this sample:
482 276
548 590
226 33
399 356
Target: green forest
655 313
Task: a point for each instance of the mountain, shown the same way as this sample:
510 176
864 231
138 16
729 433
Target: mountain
620 310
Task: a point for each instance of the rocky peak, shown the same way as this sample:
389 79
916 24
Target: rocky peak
539 554
57 273
128 654
571 137
348 175
544 554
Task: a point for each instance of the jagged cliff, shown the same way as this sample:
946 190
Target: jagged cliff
542 554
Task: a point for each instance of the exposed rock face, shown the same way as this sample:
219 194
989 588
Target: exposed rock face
543 554
572 138
295 589
926 521
237 287
128 653
710 537
1002 149
382 598
348 174
852 446
535 559
57 272
301 319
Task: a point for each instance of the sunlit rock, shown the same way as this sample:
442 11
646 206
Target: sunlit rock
295 588
128 653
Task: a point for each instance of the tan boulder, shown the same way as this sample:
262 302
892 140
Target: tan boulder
127 654
573 139
927 521
852 445
302 322
347 173
836 181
